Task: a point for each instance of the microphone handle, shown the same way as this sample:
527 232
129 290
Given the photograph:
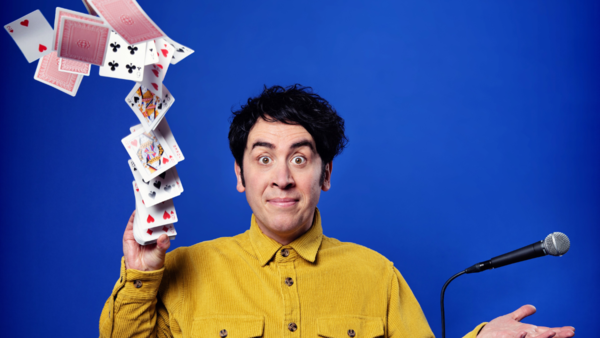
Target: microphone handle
527 252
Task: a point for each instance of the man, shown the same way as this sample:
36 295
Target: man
282 277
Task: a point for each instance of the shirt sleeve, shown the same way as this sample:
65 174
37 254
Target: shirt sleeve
405 317
133 310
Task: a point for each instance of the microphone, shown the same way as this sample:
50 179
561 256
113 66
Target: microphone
555 244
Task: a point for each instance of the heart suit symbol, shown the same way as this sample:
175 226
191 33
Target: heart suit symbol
155 72
155 86
25 23
150 219
165 161
42 48
134 143
165 52
166 215
160 66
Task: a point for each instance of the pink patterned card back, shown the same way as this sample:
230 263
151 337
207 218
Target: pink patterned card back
128 19
72 66
47 72
83 41
62 12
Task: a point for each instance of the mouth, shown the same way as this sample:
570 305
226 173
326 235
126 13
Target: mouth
282 202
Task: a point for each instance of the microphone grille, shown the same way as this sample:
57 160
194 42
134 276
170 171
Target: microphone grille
557 244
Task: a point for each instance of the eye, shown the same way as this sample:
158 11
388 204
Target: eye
299 160
264 160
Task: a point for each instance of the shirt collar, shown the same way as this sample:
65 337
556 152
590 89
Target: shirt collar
306 245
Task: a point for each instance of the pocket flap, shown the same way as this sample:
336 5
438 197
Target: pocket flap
350 326
228 327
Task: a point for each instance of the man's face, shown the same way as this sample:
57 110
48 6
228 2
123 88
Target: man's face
282 172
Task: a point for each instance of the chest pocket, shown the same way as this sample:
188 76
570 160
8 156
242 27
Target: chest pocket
350 327
228 327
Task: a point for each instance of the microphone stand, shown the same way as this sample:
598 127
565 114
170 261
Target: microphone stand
442 301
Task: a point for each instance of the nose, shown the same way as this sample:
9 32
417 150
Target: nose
282 176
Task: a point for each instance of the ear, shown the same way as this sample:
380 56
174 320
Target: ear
327 181
238 172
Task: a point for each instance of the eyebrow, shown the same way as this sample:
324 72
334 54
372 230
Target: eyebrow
303 143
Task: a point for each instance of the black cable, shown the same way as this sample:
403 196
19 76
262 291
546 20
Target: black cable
442 301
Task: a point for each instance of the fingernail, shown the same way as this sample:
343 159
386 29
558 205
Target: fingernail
523 335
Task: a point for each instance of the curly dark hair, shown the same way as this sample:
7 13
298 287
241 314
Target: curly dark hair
294 104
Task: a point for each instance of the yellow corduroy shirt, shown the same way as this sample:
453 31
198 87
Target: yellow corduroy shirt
251 286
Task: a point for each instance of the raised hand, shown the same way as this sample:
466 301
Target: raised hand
510 326
143 257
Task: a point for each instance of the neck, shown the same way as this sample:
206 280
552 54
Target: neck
285 238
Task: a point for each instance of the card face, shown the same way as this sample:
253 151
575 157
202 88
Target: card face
154 74
161 188
33 34
82 40
47 72
128 19
180 51
63 12
148 106
150 153
143 235
89 8
166 132
74 67
124 61
156 215
151 54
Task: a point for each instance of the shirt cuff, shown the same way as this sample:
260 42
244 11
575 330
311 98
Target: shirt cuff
138 284
475 331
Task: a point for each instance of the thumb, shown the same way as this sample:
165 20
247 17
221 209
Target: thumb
156 257
163 243
522 312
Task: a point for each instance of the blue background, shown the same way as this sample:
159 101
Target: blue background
473 126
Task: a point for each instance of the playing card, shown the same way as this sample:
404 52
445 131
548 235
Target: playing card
156 215
144 235
181 51
148 106
151 55
124 61
83 40
161 188
154 74
47 72
150 153
63 12
89 8
75 67
33 35
128 19
166 132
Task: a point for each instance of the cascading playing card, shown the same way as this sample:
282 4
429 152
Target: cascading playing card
151 54
47 72
148 235
164 187
82 40
156 215
33 35
89 8
180 52
124 61
74 67
128 19
150 153
63 12
165 130
148 105
154 74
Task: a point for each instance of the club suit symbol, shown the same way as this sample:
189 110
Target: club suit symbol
130 68
132 49
113 65
115 46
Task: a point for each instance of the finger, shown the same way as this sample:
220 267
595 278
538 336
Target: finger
163 243
547 334
522 312
130 222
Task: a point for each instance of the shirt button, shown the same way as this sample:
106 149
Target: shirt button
223 333
292 327
289 281
351 333
138 283
285 252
